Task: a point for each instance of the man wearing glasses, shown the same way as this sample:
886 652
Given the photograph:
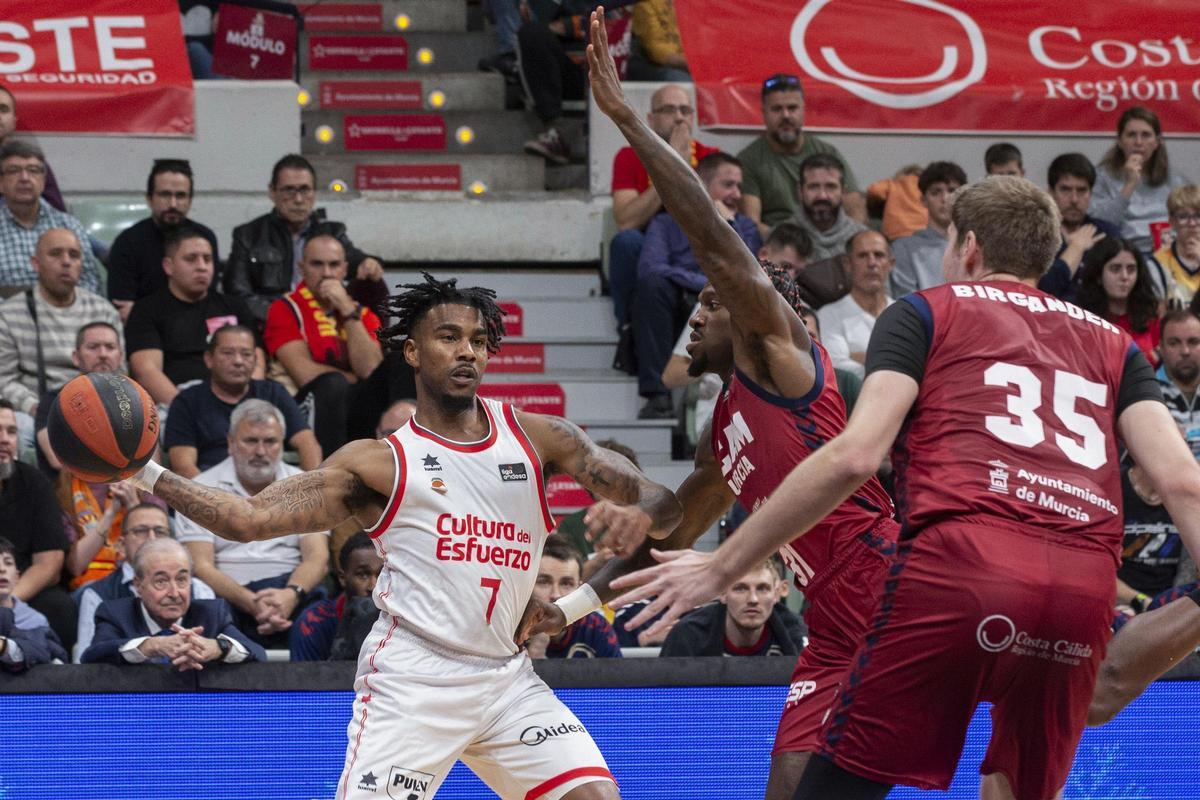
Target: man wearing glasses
135 260
163 624
771 163
143 523
1181 257
265 262
26 215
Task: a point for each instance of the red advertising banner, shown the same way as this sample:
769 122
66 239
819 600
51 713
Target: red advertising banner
108 66
381 95
394 132
341 17
958 66
253 44
367 53
408 177
565 494
528 357
514 318
537 398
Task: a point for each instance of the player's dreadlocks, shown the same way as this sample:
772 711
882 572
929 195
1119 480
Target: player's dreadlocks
784 284
411 306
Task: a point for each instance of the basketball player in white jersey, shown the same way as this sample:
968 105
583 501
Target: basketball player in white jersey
455 502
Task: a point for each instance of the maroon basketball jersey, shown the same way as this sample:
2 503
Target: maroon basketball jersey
1016 417
759 437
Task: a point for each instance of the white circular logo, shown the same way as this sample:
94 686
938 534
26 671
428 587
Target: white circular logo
857 82
1003 626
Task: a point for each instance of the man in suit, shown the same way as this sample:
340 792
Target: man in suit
162 624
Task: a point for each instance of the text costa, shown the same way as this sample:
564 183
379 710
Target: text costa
1112 53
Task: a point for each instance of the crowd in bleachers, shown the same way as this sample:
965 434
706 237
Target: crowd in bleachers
265 360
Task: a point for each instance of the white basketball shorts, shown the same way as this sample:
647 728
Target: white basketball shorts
419 707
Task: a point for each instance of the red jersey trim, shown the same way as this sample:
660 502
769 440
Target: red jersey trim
734 650
570 775
511 417
459 447
398 483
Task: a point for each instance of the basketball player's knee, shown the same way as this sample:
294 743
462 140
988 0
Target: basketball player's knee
596 790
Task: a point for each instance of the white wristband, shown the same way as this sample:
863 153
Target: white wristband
148 476
579 603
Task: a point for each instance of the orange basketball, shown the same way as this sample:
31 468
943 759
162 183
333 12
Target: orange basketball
103 427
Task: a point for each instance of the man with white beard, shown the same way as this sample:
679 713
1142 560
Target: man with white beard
268 582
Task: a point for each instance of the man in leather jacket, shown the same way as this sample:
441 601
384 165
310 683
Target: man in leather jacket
263 265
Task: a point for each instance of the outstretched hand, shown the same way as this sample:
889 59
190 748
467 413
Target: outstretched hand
682 581
602 71
539 617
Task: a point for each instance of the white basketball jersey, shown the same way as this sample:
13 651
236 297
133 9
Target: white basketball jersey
462 533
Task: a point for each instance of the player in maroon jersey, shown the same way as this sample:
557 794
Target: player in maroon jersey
781 403
1005 405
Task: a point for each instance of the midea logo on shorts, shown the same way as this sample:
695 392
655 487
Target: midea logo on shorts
860 85
996 633
536 734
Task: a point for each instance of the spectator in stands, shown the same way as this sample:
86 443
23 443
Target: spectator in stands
38 326
8 126
268 583
264 264
31 519
1152 550
669 278
168 331
849 384
506 18
919 256
135 260
97 349
143 523
846 324
325 340
25 635
396 415
897 201
197 431
1004 158
1179 375
558 575
657 50
1180 259
634 200
163 624
822 214
358 567
772 161
1117 286
1070 178
748 620
551 44
25 216
1135 178
92 517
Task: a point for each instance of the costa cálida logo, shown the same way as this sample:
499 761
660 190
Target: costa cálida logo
959 67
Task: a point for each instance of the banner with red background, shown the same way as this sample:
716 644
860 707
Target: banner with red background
114 67
961 65
253 44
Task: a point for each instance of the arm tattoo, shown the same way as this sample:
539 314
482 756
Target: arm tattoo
605 473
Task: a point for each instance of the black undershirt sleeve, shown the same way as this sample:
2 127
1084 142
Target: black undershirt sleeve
899 342
1137 382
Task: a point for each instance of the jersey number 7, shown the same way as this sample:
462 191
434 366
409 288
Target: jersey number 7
494 585
1028 430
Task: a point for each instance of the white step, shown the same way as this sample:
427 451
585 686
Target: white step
514 284
588 394
584 316
460 90
649 438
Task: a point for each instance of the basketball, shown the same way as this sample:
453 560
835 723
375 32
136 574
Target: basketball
103 427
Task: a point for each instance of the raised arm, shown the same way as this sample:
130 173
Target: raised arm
353 482
725 259
631 506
